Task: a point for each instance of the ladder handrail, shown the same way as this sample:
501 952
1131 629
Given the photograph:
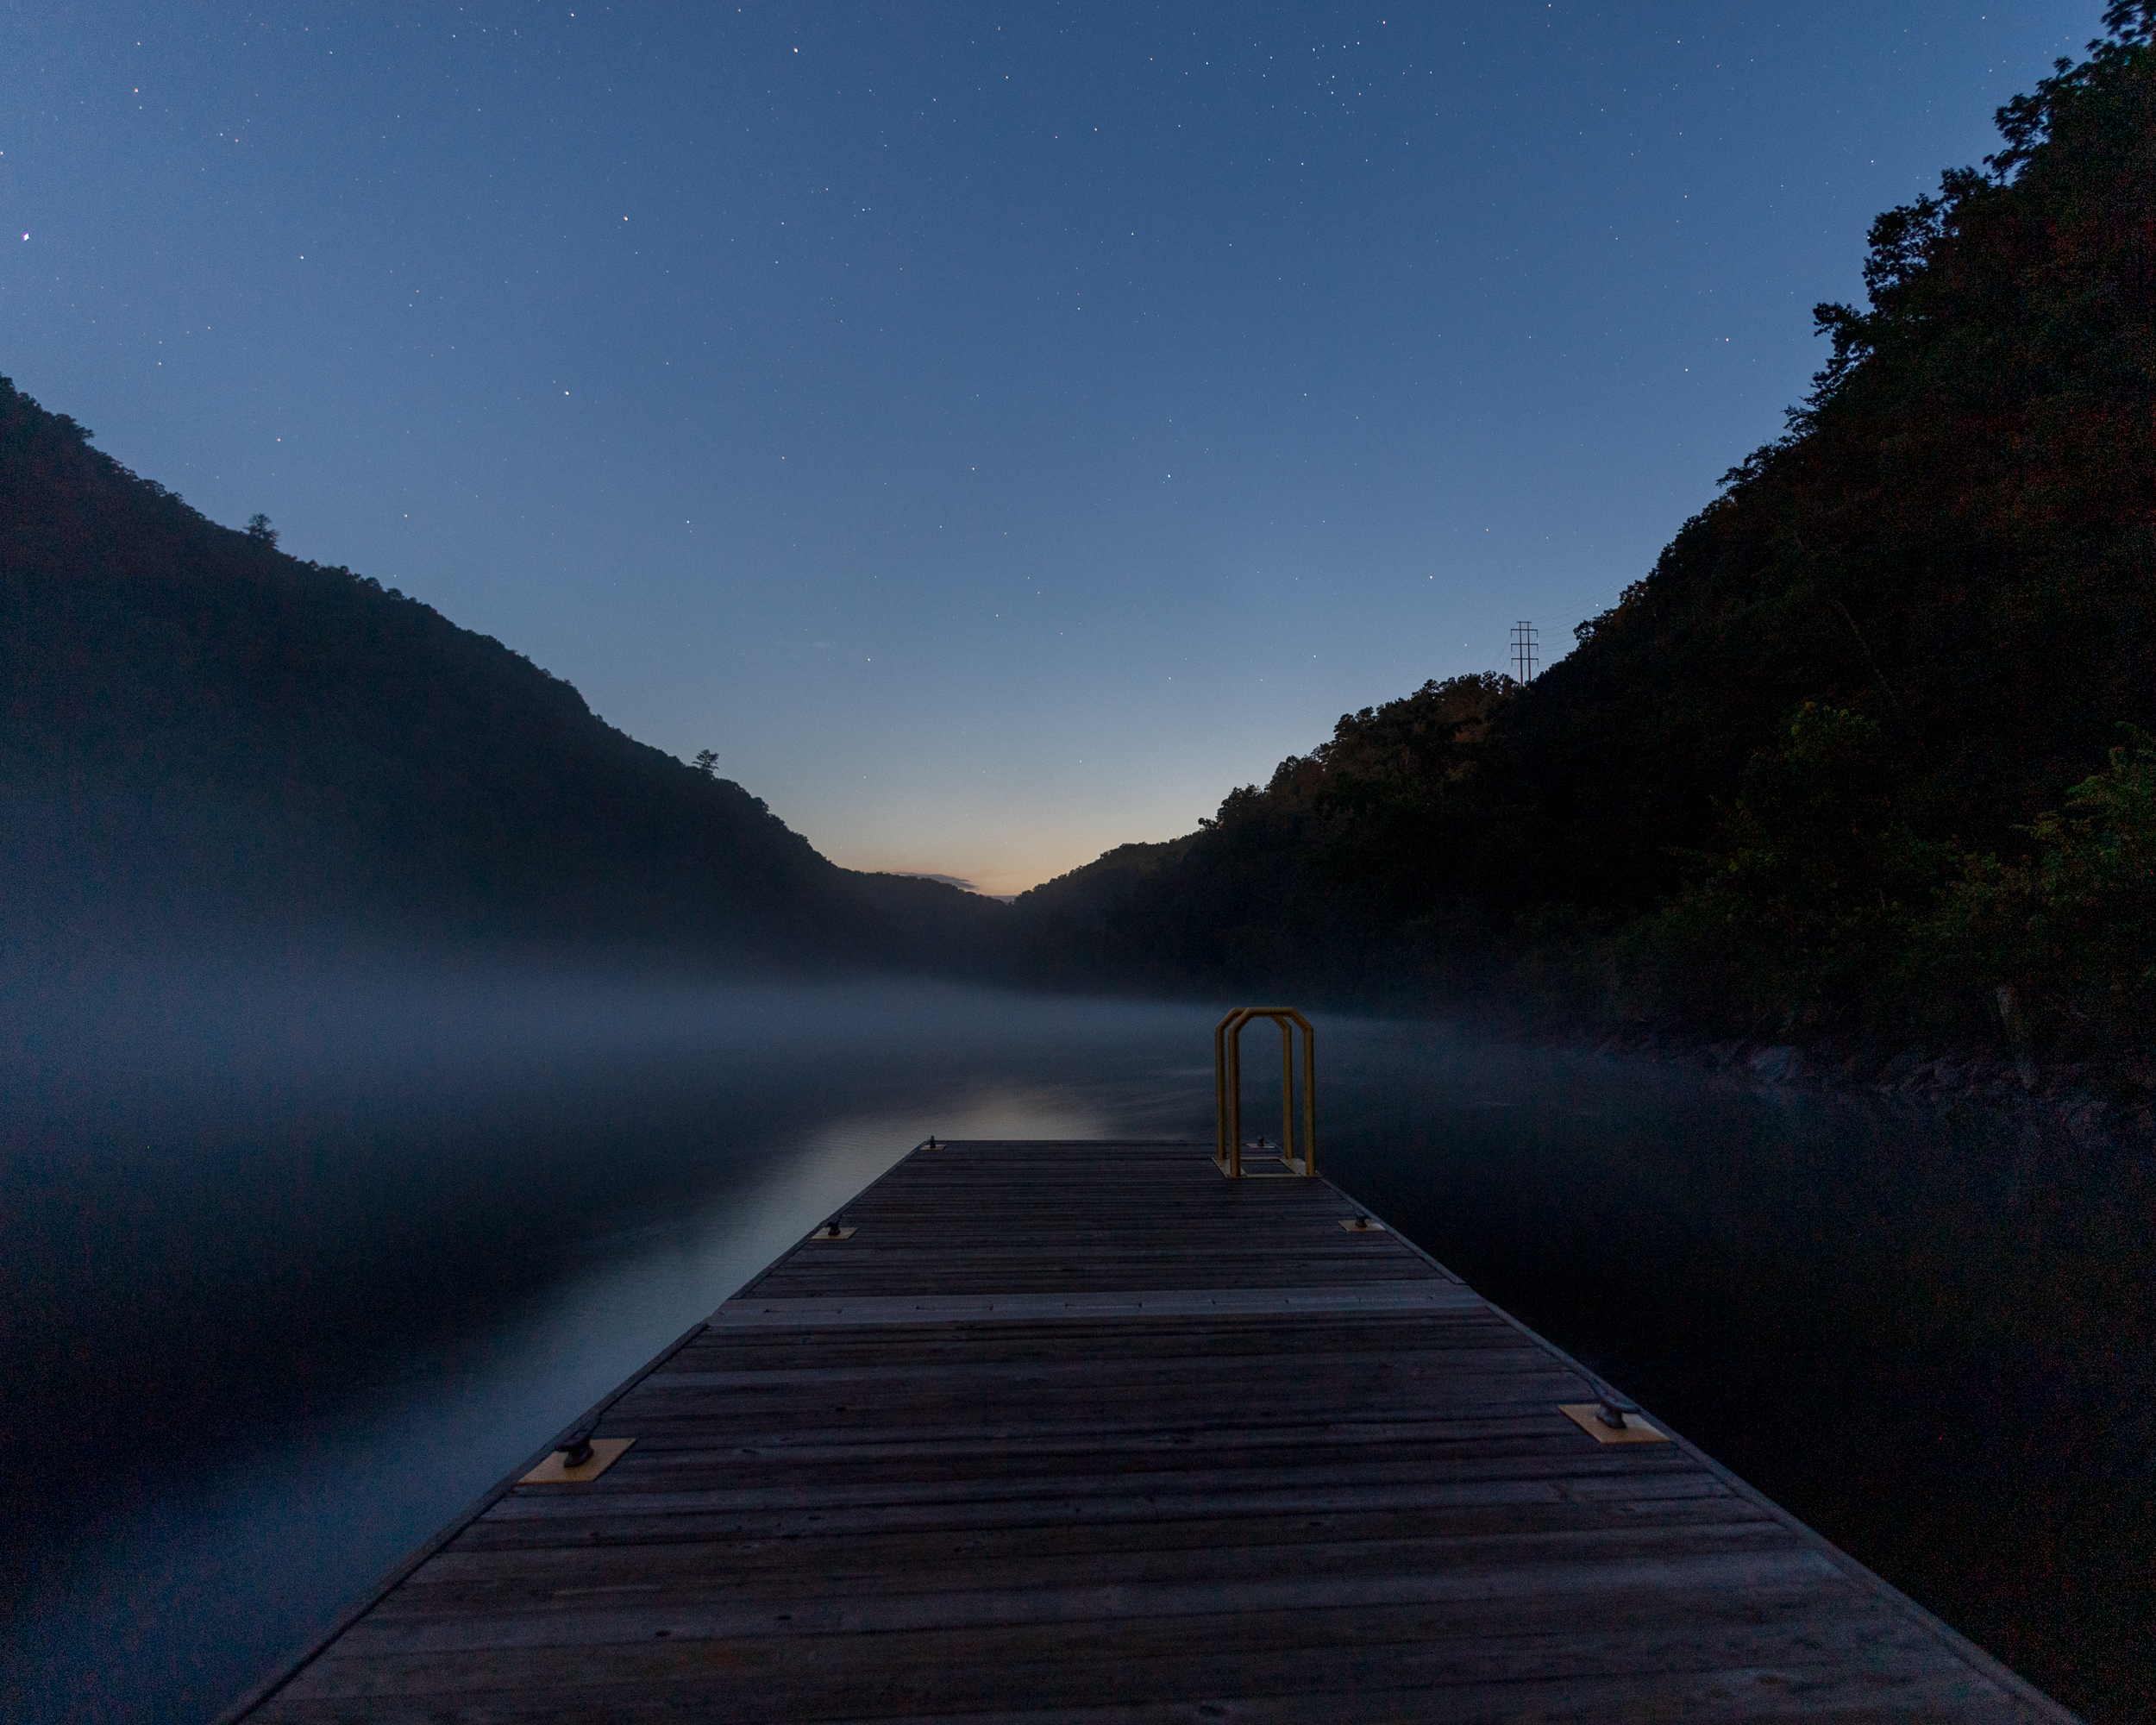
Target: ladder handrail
1227 1088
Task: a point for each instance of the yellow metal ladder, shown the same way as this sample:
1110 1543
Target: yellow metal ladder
1227 1089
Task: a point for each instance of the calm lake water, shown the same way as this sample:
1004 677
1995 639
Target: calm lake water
295 1267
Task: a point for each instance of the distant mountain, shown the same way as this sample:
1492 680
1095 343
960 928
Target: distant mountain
1856 751
203 735
1068 928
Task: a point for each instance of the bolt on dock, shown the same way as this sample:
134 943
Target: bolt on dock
1058 1432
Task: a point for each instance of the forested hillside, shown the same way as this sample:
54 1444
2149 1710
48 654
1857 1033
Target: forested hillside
203 735
1858 747
1859 750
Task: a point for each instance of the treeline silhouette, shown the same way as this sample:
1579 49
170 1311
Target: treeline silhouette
1856 753
205 735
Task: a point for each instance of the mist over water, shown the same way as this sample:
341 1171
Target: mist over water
301 1259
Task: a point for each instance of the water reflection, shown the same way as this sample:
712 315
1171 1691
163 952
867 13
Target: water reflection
298 1264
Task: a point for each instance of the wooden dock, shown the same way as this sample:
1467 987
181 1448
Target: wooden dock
1071 1432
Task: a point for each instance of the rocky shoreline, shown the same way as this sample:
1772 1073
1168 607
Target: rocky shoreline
2094 1100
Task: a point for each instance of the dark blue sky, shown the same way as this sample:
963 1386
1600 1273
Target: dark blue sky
996 430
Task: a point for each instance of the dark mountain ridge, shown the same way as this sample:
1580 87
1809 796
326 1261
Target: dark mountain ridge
205 735
1857 755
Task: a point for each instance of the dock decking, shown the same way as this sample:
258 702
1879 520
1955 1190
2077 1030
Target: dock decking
1064 1432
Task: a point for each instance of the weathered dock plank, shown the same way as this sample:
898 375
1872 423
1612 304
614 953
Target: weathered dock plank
1064 1433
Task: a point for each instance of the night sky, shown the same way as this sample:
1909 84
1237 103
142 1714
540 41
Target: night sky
997 431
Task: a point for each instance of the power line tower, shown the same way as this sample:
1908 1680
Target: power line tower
1523 652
